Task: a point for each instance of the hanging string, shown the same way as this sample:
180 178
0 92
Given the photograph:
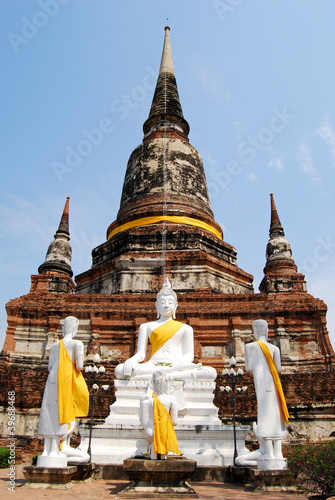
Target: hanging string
164 187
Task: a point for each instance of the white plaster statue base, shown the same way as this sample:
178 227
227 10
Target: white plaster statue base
75 455
206 444
195 402
200 433
51 462
271 463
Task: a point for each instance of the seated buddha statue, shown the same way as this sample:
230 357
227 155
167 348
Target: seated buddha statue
172 346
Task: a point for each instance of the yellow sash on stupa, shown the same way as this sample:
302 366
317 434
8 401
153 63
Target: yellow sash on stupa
73 396
276 379
163 333
165 438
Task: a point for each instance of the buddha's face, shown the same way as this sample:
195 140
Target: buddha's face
166 306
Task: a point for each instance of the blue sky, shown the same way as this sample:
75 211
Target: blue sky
256 81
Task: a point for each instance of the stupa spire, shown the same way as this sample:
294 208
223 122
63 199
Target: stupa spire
278 248
58 257
275 224
63 227
167 61
166 113
280 272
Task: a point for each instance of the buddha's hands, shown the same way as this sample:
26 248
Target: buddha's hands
128 366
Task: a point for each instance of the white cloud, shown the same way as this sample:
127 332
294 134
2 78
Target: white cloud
36 223
327 133
306 164
276 162
210 80
252 177
26 219
210 160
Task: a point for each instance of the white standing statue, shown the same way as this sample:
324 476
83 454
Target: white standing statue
263 359
172 346
65 398
158 415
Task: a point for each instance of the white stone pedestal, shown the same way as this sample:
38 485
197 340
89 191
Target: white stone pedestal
271 463
51 462
194 398
200 433
207 444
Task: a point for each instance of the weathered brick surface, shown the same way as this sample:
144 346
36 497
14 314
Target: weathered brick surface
215 318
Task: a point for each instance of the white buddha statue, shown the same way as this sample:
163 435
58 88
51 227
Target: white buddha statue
263 359
158 415
172 346
65 398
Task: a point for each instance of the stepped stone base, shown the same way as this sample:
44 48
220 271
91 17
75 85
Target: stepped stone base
206 444
271 464
158 478
262 480
56 477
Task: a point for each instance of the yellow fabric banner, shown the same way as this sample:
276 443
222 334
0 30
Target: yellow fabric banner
276 379
176 219
73 396
165 438
163 333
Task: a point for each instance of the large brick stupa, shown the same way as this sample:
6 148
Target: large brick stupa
165 227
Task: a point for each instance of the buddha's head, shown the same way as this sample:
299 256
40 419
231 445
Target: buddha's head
70 326
166 301
260 329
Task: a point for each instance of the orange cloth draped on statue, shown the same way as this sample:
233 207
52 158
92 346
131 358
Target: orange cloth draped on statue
276 380
163 333
73 396
165 438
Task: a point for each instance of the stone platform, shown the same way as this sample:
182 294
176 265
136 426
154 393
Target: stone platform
251 478
158 478
206 444
107 488
56 477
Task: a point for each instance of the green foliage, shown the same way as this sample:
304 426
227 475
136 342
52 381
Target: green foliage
4 455
34 460
313 467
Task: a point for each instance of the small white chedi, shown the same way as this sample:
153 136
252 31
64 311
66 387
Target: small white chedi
263 359
158 415
201 435
65 397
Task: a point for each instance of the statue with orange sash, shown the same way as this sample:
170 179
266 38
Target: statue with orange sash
263 359
158 415
65 398
172 346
